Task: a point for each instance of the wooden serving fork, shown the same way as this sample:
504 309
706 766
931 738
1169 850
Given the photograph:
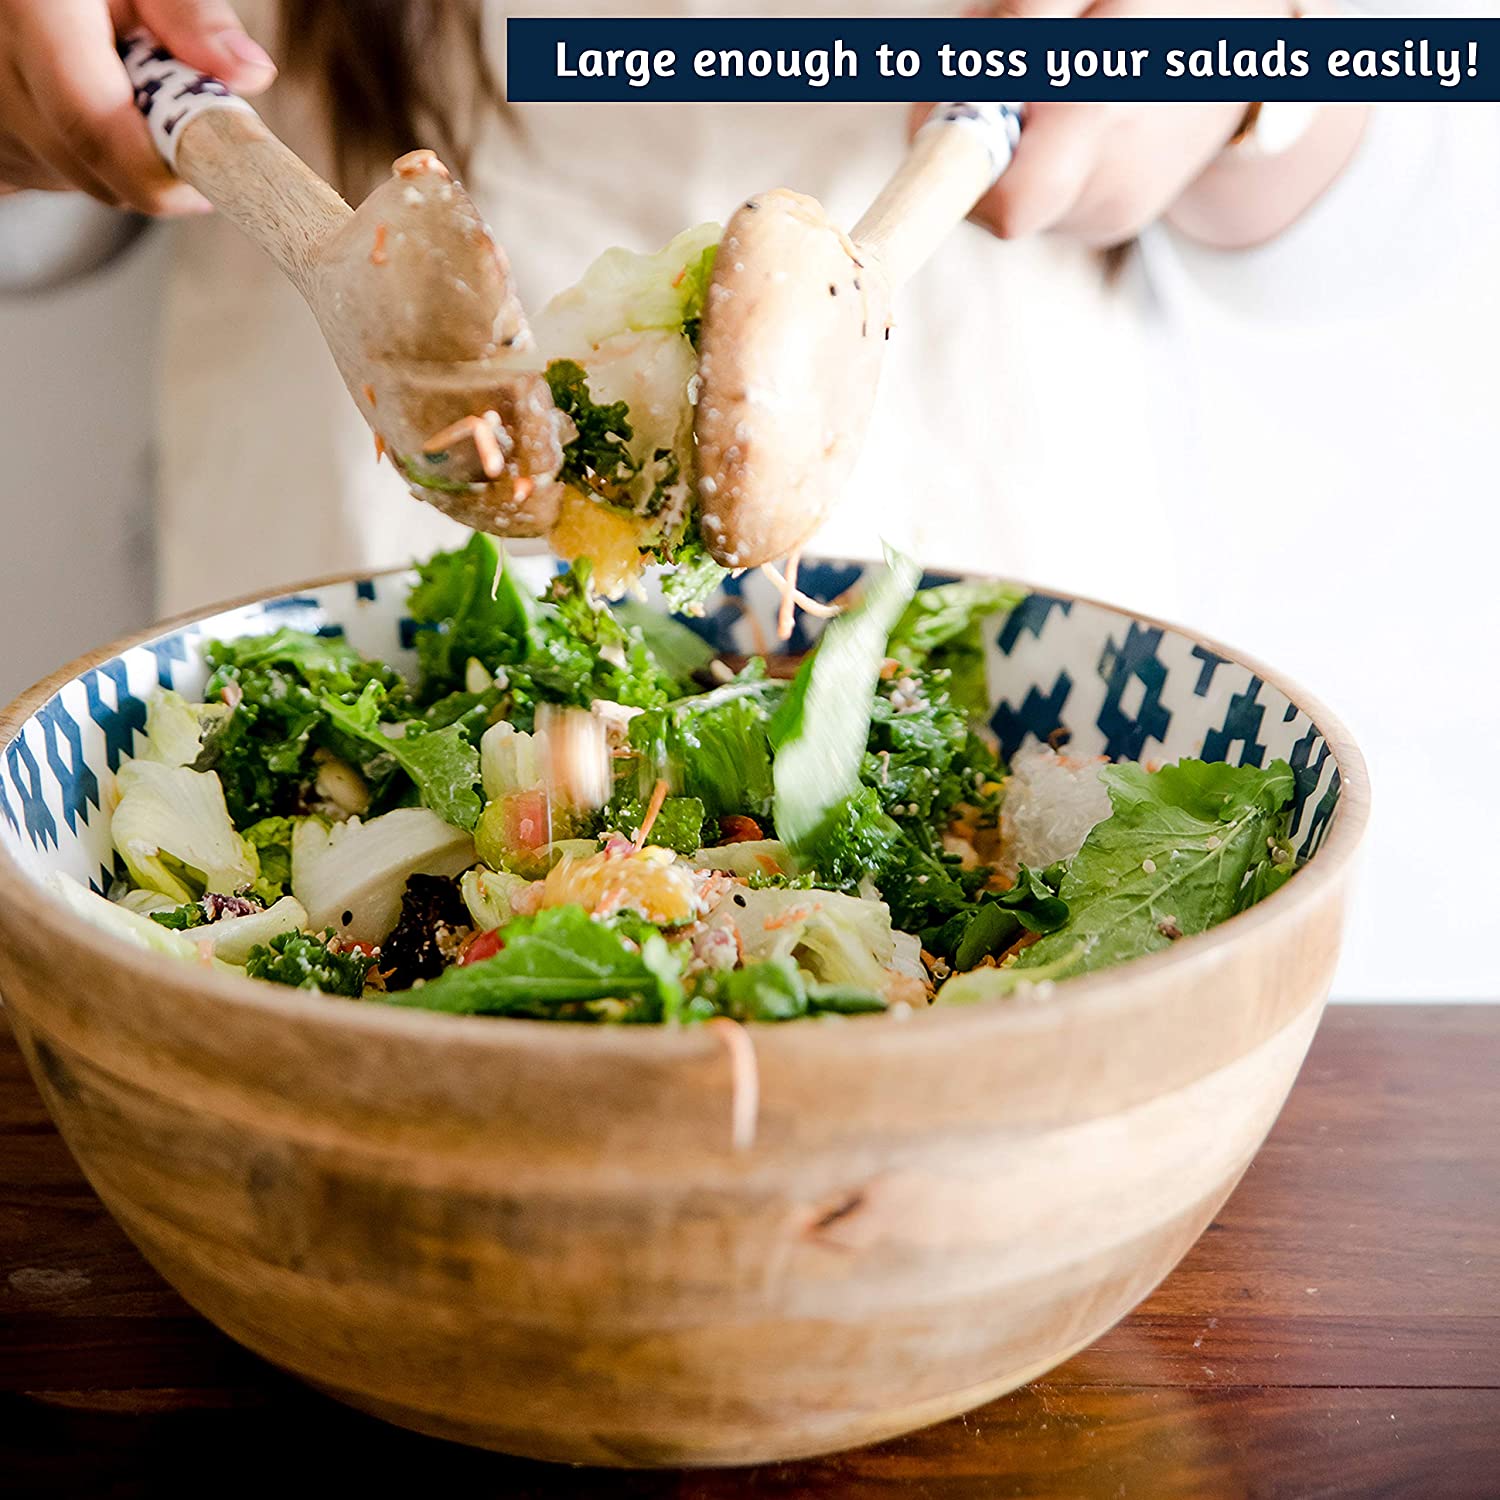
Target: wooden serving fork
795 325
411 291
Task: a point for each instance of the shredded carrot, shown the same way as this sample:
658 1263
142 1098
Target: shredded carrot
370 394
744 1081
786 918
379 447
378 257
479 431
653 808
678 278
786 616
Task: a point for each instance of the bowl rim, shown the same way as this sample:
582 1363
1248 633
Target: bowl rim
1090 997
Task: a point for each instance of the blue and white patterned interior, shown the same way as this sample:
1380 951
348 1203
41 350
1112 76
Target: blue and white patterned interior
1123 688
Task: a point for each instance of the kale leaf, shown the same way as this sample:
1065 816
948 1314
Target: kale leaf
262 751
923 759
597 460
678 826
862 842
309 963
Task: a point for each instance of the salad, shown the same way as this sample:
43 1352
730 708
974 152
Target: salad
578 812
619 353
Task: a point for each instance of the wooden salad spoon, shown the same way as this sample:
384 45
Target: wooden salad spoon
412 293
795 325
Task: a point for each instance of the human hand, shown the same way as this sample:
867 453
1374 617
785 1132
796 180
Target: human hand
67 111
1102 172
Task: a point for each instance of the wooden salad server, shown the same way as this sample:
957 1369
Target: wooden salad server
795 325
411 291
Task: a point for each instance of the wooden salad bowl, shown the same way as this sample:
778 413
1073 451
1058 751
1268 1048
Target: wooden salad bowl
540 1237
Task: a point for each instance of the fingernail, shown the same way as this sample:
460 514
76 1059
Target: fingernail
182 201
246 53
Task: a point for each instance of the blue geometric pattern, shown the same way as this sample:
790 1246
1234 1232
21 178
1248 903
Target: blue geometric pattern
1039 717
1113 684
1240 727
1134 676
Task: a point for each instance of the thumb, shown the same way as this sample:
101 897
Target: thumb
206 34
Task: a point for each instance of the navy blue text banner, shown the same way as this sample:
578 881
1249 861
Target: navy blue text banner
786 61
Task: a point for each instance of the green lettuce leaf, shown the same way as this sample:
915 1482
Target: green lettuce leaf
715 746
692 578
181 918
555 965
775 990
623 291
942 631
1176 856
472 608
680 652
272 840
694 289
442 763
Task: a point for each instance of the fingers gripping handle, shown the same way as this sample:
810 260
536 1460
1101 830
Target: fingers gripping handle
215 141
169 93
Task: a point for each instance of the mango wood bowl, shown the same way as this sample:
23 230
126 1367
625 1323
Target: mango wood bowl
540 1238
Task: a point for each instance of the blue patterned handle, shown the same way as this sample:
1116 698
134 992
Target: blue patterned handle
169 93
998 126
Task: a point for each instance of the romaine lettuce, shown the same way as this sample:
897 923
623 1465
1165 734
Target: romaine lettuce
174 833
351 877
821 730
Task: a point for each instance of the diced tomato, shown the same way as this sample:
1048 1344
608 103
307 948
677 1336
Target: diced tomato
527 820
735 828
481 946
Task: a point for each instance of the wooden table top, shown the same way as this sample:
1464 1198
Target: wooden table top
1335 1333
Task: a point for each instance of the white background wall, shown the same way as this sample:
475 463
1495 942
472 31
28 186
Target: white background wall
77 382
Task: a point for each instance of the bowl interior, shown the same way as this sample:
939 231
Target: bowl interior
1123 686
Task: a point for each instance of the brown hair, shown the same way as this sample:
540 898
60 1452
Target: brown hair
392 75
